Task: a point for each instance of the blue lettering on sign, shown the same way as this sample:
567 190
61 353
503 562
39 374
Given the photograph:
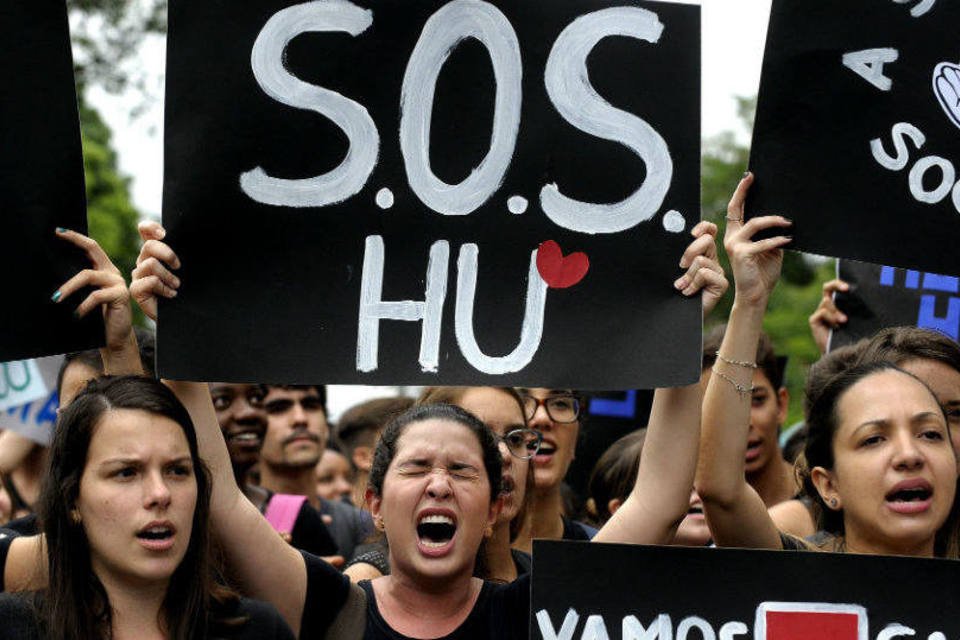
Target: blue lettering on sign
626 408
943 286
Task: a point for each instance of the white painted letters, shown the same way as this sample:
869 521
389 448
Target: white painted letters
868 64
920 8
732 629
456 21
566 631
693 622
900 131
949 176
595 629
351 175
895 631
659 629
569 88
373 309
531 330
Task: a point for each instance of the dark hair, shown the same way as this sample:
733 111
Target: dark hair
360 424
823 420
824 369
146 345
614 474
766 359
387 447
900 344
321 390
453 395
75 603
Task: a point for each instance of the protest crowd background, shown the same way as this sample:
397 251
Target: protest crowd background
617 381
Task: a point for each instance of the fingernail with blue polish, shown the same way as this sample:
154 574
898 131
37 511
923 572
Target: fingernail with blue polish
61 230
56 296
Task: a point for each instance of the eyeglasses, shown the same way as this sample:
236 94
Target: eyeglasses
522 443
563 409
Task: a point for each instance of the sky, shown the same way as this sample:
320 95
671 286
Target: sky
734 32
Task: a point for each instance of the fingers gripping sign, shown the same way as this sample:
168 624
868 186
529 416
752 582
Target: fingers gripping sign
756 264
109 289
153 275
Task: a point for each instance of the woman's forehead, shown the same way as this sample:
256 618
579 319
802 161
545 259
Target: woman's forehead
437 437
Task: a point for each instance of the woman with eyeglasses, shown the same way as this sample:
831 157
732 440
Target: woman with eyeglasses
556 414
501 409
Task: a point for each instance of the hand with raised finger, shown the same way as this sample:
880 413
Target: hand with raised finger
153 276
704 273
109 293
827 316
756 264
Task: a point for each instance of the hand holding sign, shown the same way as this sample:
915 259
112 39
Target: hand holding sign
756 264
704 272
946 86
827 316
110 291
152 277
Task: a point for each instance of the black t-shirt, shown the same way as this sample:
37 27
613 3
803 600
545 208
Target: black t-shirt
501 612
309 533
6 537
18 616
25 526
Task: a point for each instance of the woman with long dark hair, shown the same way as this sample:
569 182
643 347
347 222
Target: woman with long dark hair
124 508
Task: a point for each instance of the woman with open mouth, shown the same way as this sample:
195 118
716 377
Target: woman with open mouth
124 508
435 492
501 409
878 461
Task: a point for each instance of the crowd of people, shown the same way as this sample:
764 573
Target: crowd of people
187 510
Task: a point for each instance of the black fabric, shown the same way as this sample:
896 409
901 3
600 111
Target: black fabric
19 621
309 533
6 537
25 526
374 554
326 592
522 560
573 530
348 525
17 503
500 613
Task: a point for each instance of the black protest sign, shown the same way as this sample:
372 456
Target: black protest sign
857 136
41 182
881 297
432 192
666 593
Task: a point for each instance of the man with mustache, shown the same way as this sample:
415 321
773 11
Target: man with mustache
297 433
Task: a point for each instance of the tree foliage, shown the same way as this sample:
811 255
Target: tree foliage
106 35
796 296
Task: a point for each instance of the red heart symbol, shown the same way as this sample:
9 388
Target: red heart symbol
559 271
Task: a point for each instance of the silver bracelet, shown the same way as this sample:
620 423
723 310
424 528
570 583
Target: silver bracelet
742 390
739 363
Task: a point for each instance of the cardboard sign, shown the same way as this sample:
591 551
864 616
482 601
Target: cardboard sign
20 382
36 419
857 136
41 183
882 297
629 592
461 192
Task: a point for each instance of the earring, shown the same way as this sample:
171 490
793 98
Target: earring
488 533
378 523
833 502
75 516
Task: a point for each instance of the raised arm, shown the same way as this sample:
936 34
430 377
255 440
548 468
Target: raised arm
736 513
266 567
660 498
